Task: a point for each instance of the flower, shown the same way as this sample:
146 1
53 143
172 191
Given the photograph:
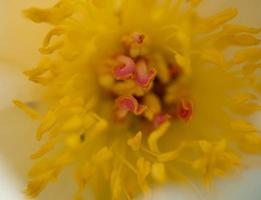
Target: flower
146 91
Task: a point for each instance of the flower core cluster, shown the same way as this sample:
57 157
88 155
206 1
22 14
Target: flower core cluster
144 91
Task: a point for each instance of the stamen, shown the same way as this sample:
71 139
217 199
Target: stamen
127 104
138 37
184 110
174 71
126 69
160 119
132 39
144 77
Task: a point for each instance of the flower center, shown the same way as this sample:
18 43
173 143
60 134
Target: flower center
145 83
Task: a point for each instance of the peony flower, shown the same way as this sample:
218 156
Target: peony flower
147 91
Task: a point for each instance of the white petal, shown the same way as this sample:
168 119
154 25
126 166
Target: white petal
17 143
248 11
17 139
244 187
15 85
20 38
176 192
8 184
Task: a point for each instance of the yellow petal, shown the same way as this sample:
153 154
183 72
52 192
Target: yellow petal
162 69
43 150
103 155
245 40
73 124
215 21
205 146
241 125
169 156
247 55
243 98
213 56
158 172
52 15
250 68
33 114
156 135
135 142
183 62
35 186
73 141
237 28
47 123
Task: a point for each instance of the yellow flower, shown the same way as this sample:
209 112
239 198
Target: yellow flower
142 91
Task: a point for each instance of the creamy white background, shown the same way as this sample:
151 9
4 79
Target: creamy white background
19 41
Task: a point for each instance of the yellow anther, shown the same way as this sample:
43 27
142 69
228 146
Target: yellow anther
156 135
153 105
135 142
158 172
33 114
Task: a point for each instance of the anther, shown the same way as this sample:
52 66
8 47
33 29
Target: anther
160 119
184 109
126 68
127 104
144 76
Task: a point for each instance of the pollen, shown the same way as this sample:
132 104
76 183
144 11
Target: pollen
142 91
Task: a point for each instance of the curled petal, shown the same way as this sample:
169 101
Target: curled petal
195 2
127 104
184 110
53 15
126 69
50 49
54 32
143 76
160 119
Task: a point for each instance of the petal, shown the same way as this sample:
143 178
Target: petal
14 85
244 7
20 38
16 144
243 187
8 183
170 192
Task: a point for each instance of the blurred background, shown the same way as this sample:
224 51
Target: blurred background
19 43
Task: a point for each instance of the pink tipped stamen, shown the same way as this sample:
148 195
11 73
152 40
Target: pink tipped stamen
185 109
174 71
127 104
138 37
160 119
126 69
143 76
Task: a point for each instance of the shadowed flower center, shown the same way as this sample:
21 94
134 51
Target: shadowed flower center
141 80
123 77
